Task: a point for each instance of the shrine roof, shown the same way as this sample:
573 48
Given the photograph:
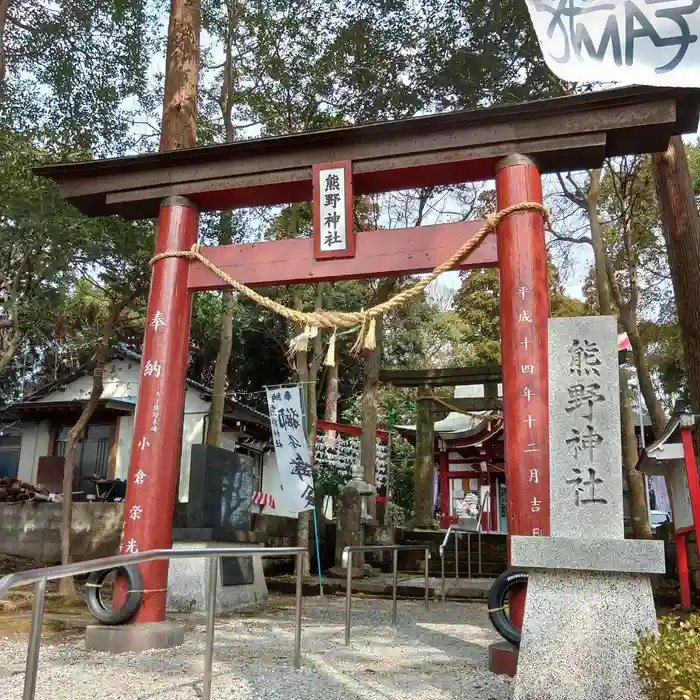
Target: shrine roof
479 426
560 134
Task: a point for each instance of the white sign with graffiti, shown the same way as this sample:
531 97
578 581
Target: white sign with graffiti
643 42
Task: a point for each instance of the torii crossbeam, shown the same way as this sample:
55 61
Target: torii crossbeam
514 144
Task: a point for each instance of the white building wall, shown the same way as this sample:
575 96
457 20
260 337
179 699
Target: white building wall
126 435
27 464
35 444
121 380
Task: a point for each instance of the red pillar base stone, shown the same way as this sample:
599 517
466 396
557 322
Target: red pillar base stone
119 639
503 659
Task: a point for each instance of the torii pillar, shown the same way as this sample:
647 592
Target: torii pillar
156 448
524 307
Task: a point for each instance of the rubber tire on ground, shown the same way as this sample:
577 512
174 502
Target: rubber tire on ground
502 586
110 616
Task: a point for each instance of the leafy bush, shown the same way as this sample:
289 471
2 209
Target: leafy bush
398 516
668 665
330 478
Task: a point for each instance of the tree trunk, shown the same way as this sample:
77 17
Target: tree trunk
368 438
181 74
303 538
646 386
425 449
4 7
635 481
220 382
330 413
372 362
66 586
315 363
601 278
681 226
10 347
627 315
12 303
303 518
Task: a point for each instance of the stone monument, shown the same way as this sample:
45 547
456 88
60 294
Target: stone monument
589 592
352 513
349 532
217 514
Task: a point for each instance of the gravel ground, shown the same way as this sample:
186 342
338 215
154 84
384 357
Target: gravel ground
440 654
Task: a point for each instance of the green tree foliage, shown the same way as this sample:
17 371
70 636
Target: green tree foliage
32 260
478 53
477 305
59 273
70 67
640 266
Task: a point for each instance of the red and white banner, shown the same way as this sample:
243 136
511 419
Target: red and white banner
263 499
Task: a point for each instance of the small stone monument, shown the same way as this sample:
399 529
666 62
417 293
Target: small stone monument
349 532
589 593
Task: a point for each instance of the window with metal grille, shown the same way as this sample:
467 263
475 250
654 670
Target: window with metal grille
92 452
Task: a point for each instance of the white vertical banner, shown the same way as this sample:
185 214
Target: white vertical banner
645 42
291 447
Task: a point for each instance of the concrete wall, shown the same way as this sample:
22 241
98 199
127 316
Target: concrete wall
34 530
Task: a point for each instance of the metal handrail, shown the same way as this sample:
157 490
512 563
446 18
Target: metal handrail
457 532
39 577
395 549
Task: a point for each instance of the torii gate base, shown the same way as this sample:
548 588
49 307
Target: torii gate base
563 134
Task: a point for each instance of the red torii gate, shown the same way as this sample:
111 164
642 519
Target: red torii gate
514 144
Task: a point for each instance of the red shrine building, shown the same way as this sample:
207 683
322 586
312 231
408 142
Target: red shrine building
470 464
468 444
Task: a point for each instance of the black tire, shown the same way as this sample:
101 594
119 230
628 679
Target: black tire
96 606
500 589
